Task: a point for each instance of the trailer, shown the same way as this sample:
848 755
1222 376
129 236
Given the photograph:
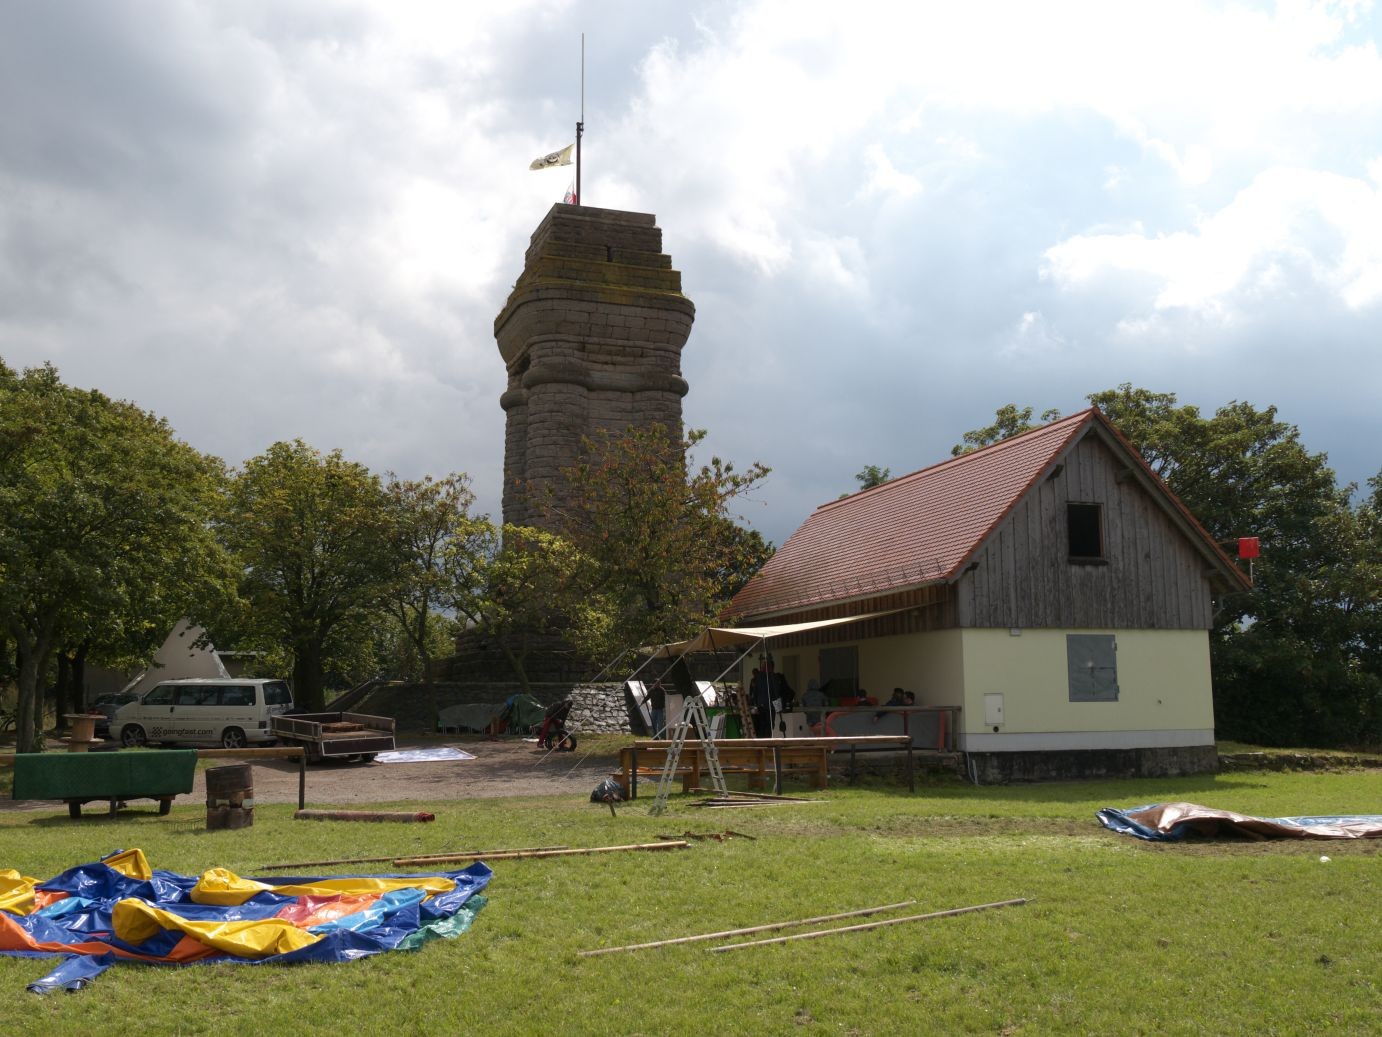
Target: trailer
348 737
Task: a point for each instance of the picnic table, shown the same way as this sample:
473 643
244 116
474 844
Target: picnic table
756 757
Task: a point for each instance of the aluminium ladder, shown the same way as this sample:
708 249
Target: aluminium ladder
693 710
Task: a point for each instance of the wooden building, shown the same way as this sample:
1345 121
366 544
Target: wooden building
1050 587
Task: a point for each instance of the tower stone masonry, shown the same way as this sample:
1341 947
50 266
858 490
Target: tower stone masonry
591 336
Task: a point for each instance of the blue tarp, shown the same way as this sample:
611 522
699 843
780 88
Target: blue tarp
1172 822
333 918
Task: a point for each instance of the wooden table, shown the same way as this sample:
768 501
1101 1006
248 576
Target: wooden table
751 756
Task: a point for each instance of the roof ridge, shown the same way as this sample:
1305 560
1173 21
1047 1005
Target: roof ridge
968 456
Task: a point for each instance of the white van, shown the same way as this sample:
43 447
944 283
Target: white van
232 712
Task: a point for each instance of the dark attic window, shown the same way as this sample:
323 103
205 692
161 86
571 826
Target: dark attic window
1084 524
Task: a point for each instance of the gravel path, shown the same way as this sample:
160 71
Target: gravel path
503 768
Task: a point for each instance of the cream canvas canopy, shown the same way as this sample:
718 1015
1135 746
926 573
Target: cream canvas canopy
715 638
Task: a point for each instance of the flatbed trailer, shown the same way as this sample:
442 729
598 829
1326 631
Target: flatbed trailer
349 737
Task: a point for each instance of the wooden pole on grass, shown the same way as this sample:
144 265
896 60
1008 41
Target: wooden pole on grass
676 844
869 925
751 929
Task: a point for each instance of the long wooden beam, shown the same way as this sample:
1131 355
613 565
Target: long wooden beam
393 856
869 925
770 926
676 844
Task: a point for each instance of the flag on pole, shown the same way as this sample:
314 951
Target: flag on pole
556 158
571 198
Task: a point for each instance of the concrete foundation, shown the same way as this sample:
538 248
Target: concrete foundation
1001 768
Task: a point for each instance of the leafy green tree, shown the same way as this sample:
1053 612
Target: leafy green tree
660 530
1009 421
316 537
526 587
432 523
105 527
871 475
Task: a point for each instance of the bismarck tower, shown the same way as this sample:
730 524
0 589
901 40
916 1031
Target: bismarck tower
591 335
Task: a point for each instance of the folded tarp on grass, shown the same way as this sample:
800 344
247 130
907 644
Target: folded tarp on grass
119 910
1171 822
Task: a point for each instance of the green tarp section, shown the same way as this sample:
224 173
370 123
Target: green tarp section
104 775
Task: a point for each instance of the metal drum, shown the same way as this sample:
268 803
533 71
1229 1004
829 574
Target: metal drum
229 797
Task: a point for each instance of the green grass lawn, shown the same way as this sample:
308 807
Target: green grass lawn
1121 936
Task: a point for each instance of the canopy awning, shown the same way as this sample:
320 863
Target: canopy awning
713 638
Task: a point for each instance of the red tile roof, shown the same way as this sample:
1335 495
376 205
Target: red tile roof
923 528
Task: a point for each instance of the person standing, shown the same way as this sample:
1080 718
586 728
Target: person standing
657 705
760 701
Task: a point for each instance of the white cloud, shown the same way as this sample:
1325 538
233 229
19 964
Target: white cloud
1287 226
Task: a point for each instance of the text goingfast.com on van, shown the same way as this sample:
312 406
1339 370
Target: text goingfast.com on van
222 711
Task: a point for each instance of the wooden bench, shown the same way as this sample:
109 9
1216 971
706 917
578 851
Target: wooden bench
759 763
757 757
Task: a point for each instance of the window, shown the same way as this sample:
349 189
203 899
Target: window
237 696
840 671
276 694
1085 528
160 696
1092 662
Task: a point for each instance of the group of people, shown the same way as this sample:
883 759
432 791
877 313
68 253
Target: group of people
771 695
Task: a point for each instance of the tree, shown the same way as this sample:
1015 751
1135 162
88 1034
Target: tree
105 529
526 586
316 537
659 530
431 523
1008 421
871 475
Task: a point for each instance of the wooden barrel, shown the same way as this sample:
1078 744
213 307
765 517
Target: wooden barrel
229 796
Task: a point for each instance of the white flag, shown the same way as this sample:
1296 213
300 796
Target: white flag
556 158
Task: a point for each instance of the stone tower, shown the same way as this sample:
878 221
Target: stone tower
591 335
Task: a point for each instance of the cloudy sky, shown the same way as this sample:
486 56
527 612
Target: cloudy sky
271 219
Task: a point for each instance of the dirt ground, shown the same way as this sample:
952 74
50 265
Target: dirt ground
503 768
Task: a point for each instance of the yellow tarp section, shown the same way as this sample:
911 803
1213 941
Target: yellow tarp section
135 921
16 892
130 863
223 887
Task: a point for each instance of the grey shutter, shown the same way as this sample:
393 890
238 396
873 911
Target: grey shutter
1092 662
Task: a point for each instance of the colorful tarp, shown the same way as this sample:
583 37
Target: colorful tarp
118 909
1171 822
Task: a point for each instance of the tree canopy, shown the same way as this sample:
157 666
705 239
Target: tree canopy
317 542
660 530
105 527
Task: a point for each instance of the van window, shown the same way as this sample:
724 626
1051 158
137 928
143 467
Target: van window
197 696
237 696
276 694
160 696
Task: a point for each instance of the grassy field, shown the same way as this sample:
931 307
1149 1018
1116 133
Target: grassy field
1121 937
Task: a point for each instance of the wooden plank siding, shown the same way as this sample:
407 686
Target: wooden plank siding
1152 577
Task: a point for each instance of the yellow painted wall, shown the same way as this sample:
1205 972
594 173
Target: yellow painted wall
1163 681
929 664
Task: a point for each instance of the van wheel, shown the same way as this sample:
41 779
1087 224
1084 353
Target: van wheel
233 738
132 736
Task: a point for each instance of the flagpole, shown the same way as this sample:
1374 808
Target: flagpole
580 126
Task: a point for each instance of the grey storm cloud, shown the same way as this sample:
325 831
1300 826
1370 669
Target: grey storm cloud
269 220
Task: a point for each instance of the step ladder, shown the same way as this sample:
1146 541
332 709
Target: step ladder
692 713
